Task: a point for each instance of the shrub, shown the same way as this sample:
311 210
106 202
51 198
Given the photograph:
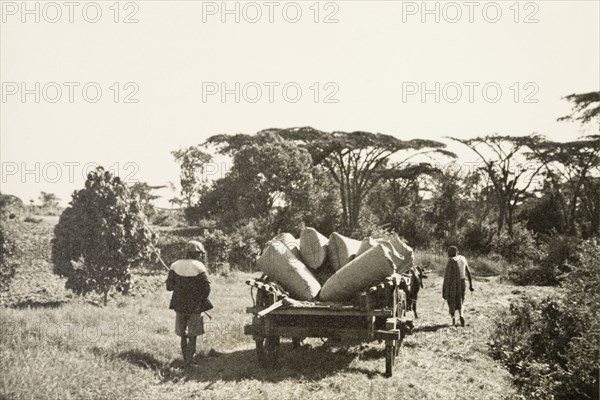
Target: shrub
218 247
518 248
7 252
552 347
100 236
475 238
556 255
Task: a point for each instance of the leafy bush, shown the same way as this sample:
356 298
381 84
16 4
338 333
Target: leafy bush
218 246
556 255
475 238
100 236
7 252
552 347
518 248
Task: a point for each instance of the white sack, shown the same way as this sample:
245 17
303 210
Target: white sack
313 247
280 264
372 266
341 250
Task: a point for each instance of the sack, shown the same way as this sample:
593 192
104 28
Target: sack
404 250
341 250
367 244
372 266
290 242
397 258
205 305
280 264
313 247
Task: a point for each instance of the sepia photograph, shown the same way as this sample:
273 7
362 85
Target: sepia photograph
298 200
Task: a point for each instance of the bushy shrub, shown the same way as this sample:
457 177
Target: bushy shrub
518 248
100 236
555 257
475 238
412 224
7 252
552 347
171 247
244 248
218 247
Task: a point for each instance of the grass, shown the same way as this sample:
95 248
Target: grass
73 349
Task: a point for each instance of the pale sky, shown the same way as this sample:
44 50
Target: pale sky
374 61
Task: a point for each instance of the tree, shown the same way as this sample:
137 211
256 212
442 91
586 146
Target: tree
143 193
355 160
49 200
501 159
100 236
192 162
571 167
591 203
586 107
272 182
448 210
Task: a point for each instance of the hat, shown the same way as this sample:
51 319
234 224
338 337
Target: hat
195 246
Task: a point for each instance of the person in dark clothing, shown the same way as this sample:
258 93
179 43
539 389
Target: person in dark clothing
454 286
188 280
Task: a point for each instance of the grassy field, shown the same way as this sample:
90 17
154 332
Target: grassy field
71 348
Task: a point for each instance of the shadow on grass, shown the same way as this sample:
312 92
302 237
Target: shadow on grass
431 328
38 304
305 363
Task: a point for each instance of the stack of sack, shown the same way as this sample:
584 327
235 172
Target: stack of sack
333 269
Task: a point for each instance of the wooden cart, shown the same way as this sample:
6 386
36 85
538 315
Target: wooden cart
378 313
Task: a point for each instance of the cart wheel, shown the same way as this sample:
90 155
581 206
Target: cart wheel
390 352
271 351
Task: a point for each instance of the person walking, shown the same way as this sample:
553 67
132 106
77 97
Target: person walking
454 287
188 280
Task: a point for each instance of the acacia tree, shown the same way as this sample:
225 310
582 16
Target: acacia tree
356 161
143 193
573 168
502 161
586 107
192 162
100 236
399 187
353 159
